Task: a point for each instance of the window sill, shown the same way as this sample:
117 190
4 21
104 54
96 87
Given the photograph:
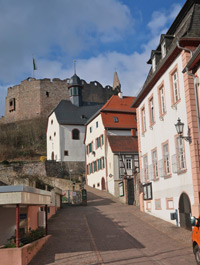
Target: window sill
181 171
168 176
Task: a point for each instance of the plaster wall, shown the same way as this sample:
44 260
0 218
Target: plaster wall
75 148
95 178
53 138
162 131
110 170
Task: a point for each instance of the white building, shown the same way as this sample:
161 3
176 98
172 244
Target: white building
168 163
109 134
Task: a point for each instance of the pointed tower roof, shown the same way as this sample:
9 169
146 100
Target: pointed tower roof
116 83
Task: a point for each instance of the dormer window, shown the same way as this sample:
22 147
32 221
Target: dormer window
163 49
115 119
153 64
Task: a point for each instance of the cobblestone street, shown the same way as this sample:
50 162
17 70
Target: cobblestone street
108 232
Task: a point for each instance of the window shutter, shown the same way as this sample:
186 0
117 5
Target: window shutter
161 168
174 164
151 175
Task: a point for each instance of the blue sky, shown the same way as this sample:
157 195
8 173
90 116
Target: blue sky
101 35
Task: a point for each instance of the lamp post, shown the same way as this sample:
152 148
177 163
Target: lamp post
179 128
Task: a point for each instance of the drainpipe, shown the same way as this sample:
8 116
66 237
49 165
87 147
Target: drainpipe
195 87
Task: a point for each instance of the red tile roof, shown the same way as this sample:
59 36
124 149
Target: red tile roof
115 103
123 144
124 120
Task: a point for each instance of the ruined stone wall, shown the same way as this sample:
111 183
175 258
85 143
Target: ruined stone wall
51 93
37 98
95 92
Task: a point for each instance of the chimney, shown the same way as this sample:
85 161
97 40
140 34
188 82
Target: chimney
120 95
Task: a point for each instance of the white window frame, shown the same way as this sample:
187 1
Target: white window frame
166 158
155 163
163 49
162 100
180 153
153 64
175 86
152 110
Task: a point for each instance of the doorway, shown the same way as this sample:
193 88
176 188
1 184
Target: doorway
103 183
185 211
130 189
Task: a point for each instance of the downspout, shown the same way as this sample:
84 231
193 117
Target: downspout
195 87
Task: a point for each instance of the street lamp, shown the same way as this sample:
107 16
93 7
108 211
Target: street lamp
179 128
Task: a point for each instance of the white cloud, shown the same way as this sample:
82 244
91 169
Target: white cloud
161 18
45 26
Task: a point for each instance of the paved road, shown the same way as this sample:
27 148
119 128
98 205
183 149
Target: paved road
108 232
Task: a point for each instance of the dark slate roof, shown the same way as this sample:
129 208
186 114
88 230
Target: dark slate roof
123 144
67 113
186 25
75 81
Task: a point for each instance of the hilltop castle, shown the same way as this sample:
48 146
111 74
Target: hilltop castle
35 98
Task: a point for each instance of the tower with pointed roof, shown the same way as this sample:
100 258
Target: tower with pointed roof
116 82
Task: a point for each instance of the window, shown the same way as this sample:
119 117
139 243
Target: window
90 129
161 96
66 153
175 86
49 137
128 163
151 111
90 147
115 119
166 159
147 191
98 142
103 164
175 93
155 164
143 120
75 134
91 169
146 173
51 121
180 153
95 166
102 140
99 164
97 124
88 168
169 203
12 104
163 49
158 204
153 64
54 133
47 94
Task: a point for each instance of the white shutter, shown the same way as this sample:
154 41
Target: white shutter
151 173
161 168
174 164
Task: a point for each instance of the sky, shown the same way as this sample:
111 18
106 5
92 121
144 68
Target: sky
103 36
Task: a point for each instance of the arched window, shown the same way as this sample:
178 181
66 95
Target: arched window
75 134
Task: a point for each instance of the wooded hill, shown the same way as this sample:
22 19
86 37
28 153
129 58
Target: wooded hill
24 139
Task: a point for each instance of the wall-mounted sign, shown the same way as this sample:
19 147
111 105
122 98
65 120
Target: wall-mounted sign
121 189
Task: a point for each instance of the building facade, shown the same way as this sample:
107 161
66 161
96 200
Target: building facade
169 165
109 157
